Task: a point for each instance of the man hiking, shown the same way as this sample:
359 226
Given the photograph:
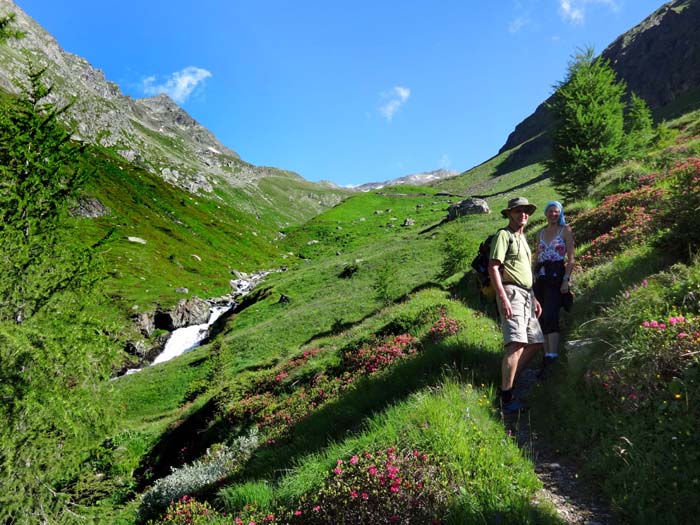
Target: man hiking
510 270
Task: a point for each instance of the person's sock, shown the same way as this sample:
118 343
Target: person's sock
506 396
552 355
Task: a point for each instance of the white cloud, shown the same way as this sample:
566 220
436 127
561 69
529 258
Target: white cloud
444 161
395 98
574 11
518 23
179 86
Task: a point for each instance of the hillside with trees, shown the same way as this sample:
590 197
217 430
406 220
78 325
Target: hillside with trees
357 383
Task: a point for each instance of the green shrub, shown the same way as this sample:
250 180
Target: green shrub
684 237
188 511
387 486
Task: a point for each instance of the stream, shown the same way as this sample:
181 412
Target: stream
184 339
187 338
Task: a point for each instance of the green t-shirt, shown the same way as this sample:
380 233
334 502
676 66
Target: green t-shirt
515 257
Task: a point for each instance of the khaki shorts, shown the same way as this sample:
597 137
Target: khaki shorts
523 327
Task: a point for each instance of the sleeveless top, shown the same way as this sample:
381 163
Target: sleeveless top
552 251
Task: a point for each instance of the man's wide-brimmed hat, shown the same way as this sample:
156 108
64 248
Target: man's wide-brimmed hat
519 202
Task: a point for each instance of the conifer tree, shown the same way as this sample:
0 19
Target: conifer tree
54 353
639 125
39 179
589 123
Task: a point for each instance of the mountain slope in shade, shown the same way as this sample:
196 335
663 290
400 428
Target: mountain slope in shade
659 59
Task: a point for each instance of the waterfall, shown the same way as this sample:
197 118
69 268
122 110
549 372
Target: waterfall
189 337
185 339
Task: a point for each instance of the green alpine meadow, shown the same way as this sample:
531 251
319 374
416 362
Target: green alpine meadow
352 375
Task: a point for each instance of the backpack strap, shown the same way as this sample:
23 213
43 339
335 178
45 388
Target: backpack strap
511 240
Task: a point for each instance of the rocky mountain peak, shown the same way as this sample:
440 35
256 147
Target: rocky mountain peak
417 179
153 132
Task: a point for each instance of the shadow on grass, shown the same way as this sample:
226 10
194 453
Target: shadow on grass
527 184
339 326
590 301
526 513
178 445
346 415
468 291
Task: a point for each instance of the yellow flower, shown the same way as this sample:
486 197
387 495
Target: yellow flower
677 396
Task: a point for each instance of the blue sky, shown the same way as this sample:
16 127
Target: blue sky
348 91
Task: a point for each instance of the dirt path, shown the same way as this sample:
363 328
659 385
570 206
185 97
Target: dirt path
574 502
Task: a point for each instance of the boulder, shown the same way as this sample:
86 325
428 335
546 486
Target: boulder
470 206
90 207
189 312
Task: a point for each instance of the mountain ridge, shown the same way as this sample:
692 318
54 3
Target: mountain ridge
414 179
154 133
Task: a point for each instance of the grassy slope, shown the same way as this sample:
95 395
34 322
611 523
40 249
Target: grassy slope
191 241
328 312
331 312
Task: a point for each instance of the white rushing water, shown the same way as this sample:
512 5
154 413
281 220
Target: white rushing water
185 339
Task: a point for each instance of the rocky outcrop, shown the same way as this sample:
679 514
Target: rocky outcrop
659 59
189 312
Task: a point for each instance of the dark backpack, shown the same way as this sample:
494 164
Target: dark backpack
480 264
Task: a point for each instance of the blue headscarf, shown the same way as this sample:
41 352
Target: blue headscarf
562 220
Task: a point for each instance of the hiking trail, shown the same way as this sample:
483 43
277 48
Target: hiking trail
575 502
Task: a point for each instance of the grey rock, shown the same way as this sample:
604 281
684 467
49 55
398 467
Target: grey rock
90 207
146 324
135 348
189 312
467 207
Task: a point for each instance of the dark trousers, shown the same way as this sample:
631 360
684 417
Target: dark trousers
548 293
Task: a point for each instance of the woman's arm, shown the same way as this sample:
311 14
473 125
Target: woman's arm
570 249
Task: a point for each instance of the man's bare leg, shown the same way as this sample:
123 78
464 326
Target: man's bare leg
529 352
509 365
